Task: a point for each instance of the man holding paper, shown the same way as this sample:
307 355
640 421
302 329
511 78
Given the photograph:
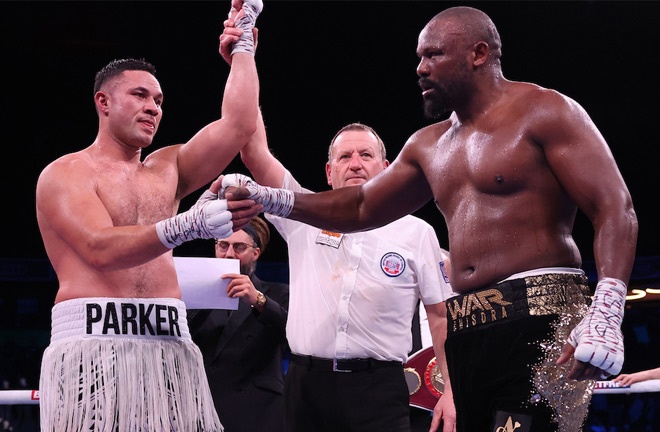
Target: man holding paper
243 348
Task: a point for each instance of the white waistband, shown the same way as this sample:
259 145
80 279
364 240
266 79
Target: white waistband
544 270
142 318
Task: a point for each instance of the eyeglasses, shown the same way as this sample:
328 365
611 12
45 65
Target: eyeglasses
239 247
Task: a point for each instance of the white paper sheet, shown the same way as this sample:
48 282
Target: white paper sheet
201 284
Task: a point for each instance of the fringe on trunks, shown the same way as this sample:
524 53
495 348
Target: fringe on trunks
124 365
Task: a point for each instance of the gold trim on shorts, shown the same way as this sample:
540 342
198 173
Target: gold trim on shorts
546 294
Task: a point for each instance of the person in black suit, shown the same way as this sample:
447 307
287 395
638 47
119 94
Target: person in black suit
243 349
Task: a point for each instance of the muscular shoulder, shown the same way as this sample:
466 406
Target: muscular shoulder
541 102
77 160
428 135
167 155
547 112
68 168
422 145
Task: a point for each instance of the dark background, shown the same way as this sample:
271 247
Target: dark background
322 64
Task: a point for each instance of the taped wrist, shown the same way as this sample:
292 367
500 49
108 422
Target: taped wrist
179 229
278 202
246 21
207 219
598 339
610 299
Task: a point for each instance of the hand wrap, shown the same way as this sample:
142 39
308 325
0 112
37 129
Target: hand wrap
598 339
207 219
246 19
278 202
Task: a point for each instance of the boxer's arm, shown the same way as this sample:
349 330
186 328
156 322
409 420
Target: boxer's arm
210 150
399 190
257 157
574 150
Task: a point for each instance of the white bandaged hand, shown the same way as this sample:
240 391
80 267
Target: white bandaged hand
245 20
207 219
598 339
278 202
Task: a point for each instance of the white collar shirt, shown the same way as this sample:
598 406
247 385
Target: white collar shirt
354 295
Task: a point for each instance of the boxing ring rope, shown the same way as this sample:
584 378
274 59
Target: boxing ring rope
609 387
19 397
31 397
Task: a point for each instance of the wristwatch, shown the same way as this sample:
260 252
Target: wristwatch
261 301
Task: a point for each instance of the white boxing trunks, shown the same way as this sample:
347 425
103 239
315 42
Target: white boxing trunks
118 364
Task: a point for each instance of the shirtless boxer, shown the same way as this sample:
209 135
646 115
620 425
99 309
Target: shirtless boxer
121 356
509 169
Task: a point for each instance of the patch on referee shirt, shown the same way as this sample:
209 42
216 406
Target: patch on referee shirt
329 238
392 264
443 270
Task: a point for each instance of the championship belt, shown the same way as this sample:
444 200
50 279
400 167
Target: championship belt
425 382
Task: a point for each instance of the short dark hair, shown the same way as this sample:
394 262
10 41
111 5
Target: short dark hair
117 67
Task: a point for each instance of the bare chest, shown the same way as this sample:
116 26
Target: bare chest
467 164
137 196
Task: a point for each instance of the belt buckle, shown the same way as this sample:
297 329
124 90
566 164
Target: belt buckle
336 369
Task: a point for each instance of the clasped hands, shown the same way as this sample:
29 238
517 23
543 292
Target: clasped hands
243 208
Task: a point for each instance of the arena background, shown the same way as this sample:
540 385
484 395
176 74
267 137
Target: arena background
322 64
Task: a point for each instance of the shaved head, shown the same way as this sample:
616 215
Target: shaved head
473 26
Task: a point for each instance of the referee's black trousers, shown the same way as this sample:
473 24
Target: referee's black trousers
318 399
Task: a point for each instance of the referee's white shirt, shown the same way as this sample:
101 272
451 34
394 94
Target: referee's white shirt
354 295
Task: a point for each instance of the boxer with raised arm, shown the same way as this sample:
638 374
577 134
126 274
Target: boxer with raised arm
120 355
